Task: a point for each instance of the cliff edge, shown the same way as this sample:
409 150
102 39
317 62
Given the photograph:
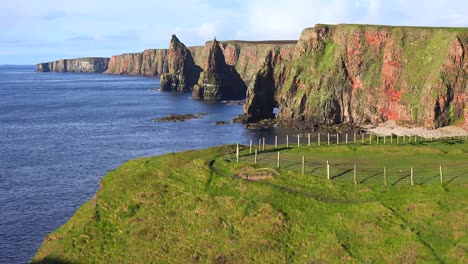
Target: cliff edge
88 65
364 74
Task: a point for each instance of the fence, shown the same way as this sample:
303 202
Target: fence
274 155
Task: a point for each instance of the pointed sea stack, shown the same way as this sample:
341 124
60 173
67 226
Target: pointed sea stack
218 81
183 73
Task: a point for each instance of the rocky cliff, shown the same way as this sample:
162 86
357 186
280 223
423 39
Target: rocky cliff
182 72
75 65
365 74
246 56
218 81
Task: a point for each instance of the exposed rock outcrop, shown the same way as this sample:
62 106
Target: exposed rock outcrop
151 62
183 73
88 65
218 81
365 74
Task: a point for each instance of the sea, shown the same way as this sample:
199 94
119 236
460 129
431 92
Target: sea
61 132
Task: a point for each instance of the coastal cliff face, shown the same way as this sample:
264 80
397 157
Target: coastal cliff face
364 74
182 73
245 56
218 81
89 65
150 62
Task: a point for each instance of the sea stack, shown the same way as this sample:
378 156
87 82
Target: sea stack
218 81
183 73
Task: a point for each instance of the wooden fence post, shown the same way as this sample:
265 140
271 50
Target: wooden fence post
318 138
278 163
328 170
355 176
308 139
346 138
328 139
298 140
255 156
404 139
397 139
384 138
237 152
337 138
276 141
287 141
377 139
259 144
362 139
441 174
354 138
303 165
370 139
412 177
391 139
250 152
263 144
385 176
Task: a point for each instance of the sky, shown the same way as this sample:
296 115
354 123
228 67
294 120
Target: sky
33 31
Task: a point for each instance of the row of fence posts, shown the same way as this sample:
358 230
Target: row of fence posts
278 164
261 141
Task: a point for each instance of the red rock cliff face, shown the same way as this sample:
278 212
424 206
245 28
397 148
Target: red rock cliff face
368 74
246 57
150 62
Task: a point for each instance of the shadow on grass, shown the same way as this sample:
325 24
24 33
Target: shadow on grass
458 176
400 179
342 174
370 177
51 260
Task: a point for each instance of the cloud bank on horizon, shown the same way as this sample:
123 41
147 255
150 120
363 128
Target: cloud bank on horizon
33 31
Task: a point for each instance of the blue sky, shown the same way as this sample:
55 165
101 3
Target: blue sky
33 31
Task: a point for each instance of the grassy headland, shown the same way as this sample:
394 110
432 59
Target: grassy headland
190 207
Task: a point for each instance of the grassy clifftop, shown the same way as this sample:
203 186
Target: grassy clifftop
189 207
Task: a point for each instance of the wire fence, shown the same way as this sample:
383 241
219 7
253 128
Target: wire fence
347 170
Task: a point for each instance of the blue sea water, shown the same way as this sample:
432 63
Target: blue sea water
61 132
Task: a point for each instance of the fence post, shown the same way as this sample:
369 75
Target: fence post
298 140
384 138
328 139
308 139
255 156
404 139
397 139
370 139
287 141
237 152
328 170
250 152
303 165
354 138
377 139
391 139
355 176
318 138
346 138
278 163
441 174
259 144
337 138
385 176
409 139
263 144
276 141
412 179
362 139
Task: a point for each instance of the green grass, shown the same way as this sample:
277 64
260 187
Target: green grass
188 207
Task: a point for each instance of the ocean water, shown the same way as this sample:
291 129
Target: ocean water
61 132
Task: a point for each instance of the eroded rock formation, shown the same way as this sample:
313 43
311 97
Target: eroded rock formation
218 81
182 73
365 74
